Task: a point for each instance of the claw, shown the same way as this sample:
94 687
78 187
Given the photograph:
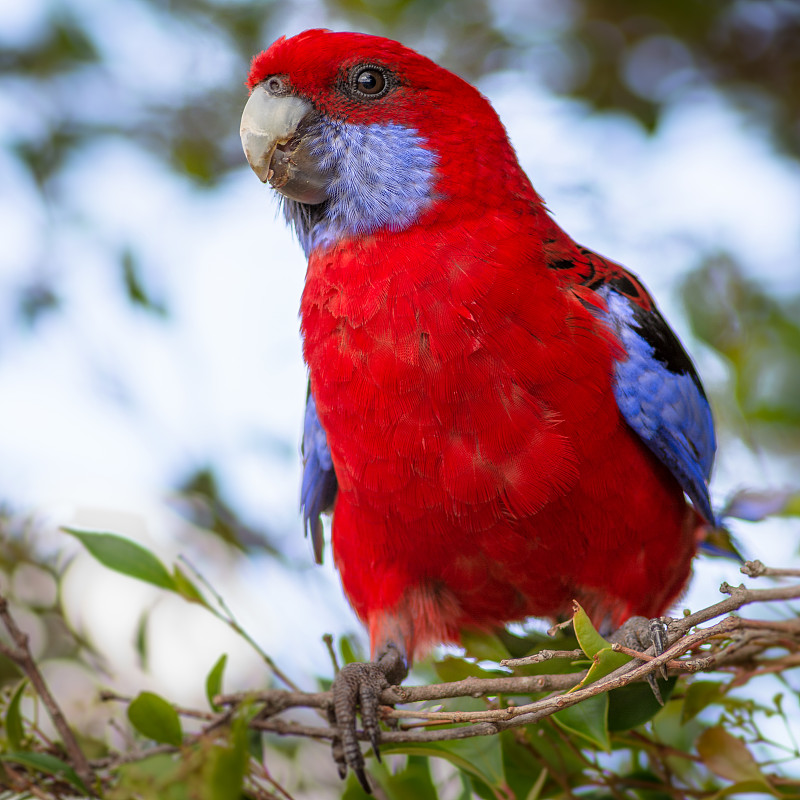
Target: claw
369 716
653 684
640 633
337 751
658 633
357 689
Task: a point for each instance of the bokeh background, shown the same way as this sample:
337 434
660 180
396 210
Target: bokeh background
151 380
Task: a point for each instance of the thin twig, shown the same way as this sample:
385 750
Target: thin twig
277 700
22 657
226 615
23 784
327 639
755 569
543 655
739 596
679 666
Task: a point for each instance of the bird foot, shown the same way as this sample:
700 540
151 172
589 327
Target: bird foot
357 690
640 633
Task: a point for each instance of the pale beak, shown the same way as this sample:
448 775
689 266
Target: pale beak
274 137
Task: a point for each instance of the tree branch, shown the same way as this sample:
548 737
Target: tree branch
725 644
20 654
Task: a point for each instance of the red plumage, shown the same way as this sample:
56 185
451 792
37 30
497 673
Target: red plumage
485 471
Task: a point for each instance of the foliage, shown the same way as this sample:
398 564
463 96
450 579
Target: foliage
708 739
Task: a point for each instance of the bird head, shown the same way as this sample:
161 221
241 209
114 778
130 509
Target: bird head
360 134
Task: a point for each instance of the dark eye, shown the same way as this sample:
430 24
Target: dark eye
369 81
276 85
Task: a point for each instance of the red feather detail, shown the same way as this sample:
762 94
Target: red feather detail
585 272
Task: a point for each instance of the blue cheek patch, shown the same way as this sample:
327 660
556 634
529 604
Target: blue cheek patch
666 407
382 177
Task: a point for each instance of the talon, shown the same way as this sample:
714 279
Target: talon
357 690
640 633
658 633
653 683
369 716
362 779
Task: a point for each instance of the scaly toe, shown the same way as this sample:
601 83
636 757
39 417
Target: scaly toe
357 689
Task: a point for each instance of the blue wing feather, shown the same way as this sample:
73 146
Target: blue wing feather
661 398
319 485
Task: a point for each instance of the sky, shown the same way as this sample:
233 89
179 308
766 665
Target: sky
104 408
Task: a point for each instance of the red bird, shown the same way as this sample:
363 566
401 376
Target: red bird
500 419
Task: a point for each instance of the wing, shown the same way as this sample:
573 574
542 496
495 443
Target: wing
661 398
655 384
319 486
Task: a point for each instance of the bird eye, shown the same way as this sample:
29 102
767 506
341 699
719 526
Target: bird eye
276 85
369 81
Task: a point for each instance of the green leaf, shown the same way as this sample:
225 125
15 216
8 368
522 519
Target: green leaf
530 642
525 773
140 640
124 556
186 589
604 663
225 767
479 756
634 704
451 669
558 753
643 777
137 293
699 695
484 646
414 782
349 650
587 719
157 777
727 756
411 783
255 745
214 680
50 765
156 719
589 640
14 727
748 787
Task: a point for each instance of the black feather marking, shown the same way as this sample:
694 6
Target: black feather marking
624 285
667 349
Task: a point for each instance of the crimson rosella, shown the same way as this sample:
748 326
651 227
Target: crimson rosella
500 419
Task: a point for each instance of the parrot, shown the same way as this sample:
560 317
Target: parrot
499 419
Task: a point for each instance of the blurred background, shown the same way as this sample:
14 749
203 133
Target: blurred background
151 380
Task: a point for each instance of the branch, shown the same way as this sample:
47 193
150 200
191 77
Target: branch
275 701
20 654
731 642
755 569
